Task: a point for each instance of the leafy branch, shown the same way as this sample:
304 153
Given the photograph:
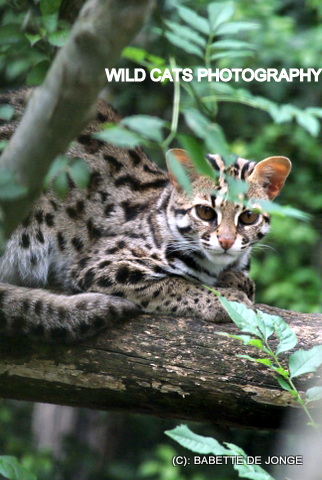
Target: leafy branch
257 330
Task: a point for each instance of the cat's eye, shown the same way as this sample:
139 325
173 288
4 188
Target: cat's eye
207 214
248 217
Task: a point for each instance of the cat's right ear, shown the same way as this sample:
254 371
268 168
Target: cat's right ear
271 173
183 158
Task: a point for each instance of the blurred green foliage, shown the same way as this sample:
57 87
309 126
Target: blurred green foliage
246 119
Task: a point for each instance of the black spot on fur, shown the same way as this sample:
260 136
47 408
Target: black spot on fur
132 210
135 276
38 307
39 216
33 260
145 303
104 282
25 240
61 241
40 236
94 232
54 205
96 179
101 117
110 251
92 145
49 219
83 262
88 279
122 274
135 157
104 264
114 164
80 206
77 243
109 209
25 306
71 212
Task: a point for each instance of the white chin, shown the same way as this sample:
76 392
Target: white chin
221 257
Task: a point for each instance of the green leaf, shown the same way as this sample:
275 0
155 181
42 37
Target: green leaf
50 22
243 317
305 361
197 122
255 342
187 33
194 442
285 335
33 38
197 155
184 44
179 172
58 165
194 20
117 135
134 53
9 188
243 338
284 384
6 112
60 185
308 122
264 361
146 125
141 56
231 45
278 210
281 371
231 28
10 34
232 54
313 394
48 7
3 144
219 12
37 75
265 323
80 173
58 39
216 141
11 469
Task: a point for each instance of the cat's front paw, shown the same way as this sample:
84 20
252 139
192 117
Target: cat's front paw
237 280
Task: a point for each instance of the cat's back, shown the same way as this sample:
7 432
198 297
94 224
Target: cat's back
122 182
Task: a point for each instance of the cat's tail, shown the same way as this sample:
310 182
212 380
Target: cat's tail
38 313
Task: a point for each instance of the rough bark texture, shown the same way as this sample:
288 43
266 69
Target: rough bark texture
165 366
61 107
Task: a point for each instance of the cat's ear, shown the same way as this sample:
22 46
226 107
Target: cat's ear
181 156
271 173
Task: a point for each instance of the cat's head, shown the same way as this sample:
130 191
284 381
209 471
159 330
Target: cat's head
223 229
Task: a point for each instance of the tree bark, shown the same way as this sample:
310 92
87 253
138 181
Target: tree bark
165 366
61 107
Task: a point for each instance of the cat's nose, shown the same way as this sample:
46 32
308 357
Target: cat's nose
226 241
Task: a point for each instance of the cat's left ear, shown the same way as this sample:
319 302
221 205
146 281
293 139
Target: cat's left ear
181 156
271 173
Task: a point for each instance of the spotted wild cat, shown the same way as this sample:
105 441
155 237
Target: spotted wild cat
132 240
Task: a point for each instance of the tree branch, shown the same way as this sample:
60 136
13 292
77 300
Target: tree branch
166 366
61 107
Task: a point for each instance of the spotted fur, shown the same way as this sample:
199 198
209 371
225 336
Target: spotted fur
130 241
